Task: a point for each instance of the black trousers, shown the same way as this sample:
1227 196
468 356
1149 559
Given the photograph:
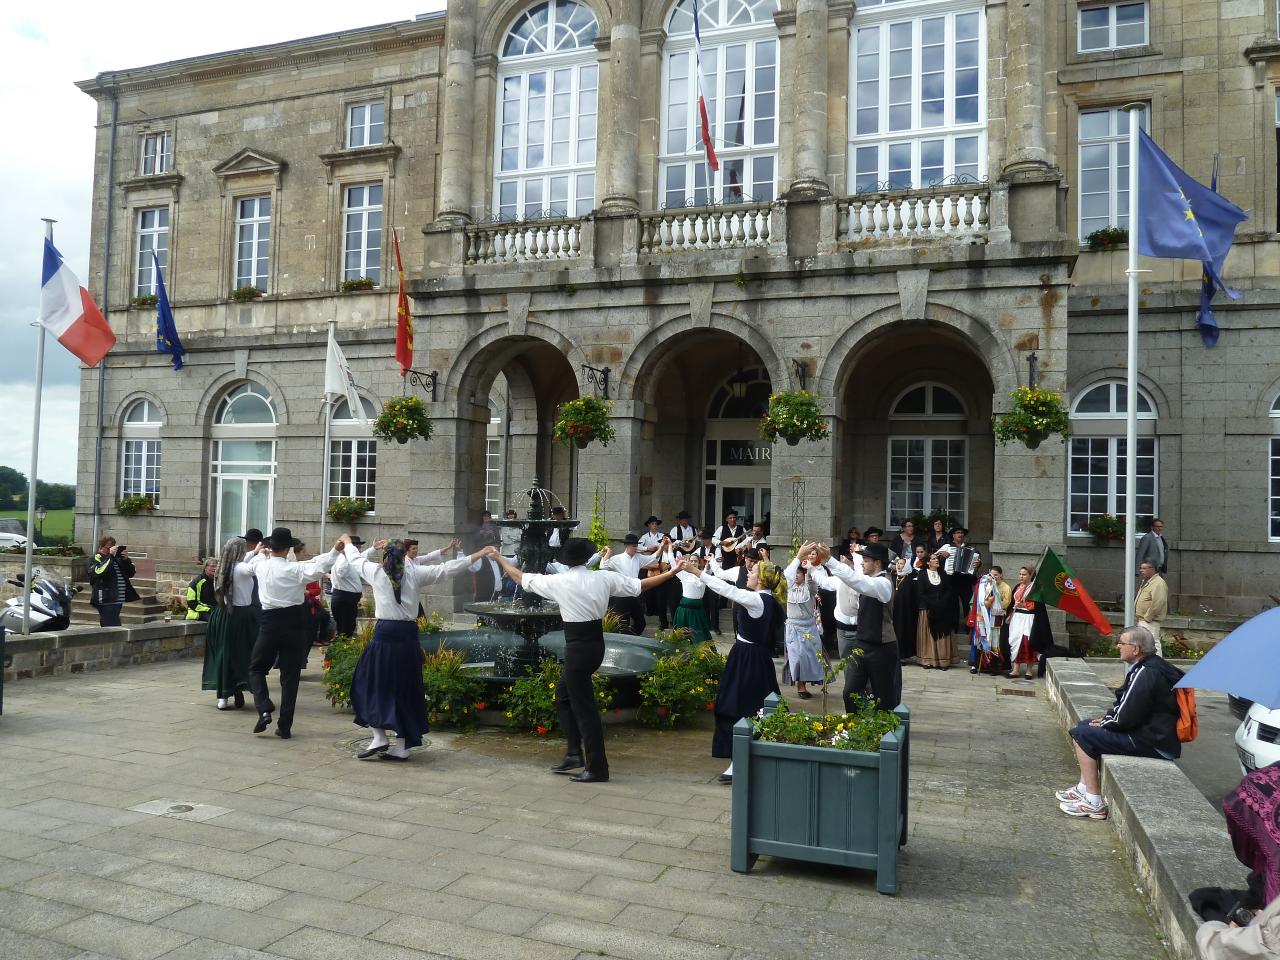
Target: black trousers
711 604
345 606
632 610
575 698
655 604
282 634
878 665
962 586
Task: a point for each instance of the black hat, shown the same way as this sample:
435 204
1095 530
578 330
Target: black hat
629 539
876 551
959 529
557 509
576 551
356 541
876 531
281 539
253 535
652 519
705 534
683 515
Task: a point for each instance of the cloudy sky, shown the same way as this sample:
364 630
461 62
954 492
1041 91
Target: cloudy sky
44 50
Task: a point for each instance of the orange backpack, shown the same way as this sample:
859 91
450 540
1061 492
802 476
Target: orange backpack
1188 727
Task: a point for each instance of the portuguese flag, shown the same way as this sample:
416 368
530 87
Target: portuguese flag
1056 584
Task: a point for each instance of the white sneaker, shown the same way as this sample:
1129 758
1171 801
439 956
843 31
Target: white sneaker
222 703
1083 808
1069 795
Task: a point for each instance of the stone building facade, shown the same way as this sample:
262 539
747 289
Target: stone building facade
896 225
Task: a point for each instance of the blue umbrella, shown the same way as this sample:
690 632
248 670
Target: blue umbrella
1238 663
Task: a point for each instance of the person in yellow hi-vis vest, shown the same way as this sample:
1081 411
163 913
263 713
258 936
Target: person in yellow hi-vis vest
200 596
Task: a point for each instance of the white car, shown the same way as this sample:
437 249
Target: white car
1258 738
8 540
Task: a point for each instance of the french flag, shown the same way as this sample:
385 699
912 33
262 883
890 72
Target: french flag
702 101
69 313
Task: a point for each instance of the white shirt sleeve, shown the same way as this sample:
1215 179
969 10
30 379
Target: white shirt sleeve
620 586
440 571
749 599
878 587
318 566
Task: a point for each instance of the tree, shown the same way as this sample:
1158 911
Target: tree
55 496
13 487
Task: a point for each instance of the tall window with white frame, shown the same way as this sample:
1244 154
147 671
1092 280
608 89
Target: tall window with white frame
153 236
156 153
740 86
918 115
1096 463
928 471
362 232
1111 26
366 123
243 462
140 451
546 114
353 455
253 241
1104 169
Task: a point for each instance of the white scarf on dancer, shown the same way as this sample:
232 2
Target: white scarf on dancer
984 622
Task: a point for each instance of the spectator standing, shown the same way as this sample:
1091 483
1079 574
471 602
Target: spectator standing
1143 723
937 537
1022 621
1154 547
509 537
904 544
852 538
110 575
1152 603
200 597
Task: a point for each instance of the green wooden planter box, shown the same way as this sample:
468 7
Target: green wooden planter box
820 804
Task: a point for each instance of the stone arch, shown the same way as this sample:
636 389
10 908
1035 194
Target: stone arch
660 343
361 391
133 397
1157 393
219 385
470 377
864 333
493 26
656 14
1268 397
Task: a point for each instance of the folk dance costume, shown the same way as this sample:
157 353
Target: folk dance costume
803 636
706 552
584 597
984 637
386 687
690 613
348 590
904 610
658 603
1021 625
878 664
627 566
935 605
960 564
282 628
749 675
728 558
233 628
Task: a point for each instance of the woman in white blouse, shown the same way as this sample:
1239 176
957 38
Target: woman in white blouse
690 613
386 688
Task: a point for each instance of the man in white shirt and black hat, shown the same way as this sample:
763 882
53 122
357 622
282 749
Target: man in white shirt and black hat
583 596
282 625
629 563
348 590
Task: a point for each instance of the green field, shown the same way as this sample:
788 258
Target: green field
58 523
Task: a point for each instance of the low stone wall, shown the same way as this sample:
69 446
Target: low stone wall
1202 632
82 649
1174 839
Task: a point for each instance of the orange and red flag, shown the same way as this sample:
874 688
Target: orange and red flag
404 320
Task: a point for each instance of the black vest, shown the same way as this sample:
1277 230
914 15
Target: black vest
874 626
756 629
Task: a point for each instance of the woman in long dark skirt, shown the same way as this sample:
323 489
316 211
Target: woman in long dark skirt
386 688
749 675
934 603
904 602
233 626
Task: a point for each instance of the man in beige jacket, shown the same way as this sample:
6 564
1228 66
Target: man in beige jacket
1152 604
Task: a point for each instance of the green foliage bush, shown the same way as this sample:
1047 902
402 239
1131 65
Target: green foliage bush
859 730
530 702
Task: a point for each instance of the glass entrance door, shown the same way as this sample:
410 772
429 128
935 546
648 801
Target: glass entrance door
243 502
751 503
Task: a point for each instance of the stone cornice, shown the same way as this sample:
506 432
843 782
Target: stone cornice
170 180
339 158
1263 51
334 46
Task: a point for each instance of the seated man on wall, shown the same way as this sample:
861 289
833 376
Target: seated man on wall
1143 723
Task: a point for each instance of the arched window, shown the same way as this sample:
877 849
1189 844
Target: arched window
1096 468
928 467
1275 406
546 114
740 85
140 451
744 396
353 453
243 463
928 400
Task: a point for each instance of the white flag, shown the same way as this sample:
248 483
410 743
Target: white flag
338 379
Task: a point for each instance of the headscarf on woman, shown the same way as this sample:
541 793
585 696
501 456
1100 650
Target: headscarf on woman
233 552
393 564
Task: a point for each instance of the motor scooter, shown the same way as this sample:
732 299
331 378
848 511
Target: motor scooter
50 604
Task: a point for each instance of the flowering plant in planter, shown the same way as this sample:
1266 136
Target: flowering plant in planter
680 687
1108 238
793 415
402 419
530 702
347 509
356 284
133 505
859 730
143 301
1036 415
583 420
245 294
454 694
1106 528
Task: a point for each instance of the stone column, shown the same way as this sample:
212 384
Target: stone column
617 137
455 139
1027 148
809 94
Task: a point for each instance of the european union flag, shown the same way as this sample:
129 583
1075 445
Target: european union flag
1182 219
166 333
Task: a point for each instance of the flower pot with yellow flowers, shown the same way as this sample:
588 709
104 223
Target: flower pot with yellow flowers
402 419
793 415
1037 414
584 421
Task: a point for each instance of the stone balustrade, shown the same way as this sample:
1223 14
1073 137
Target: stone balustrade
524 241
954 211
705 228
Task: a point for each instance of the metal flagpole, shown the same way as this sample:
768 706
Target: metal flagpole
324 469
35 463
1134 111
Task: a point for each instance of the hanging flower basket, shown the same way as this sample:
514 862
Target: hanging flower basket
402 419
584 421
1036 415
793 415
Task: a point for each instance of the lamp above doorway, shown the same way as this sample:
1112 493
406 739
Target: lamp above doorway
739 382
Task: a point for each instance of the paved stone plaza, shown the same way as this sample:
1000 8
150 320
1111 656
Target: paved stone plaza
471 850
